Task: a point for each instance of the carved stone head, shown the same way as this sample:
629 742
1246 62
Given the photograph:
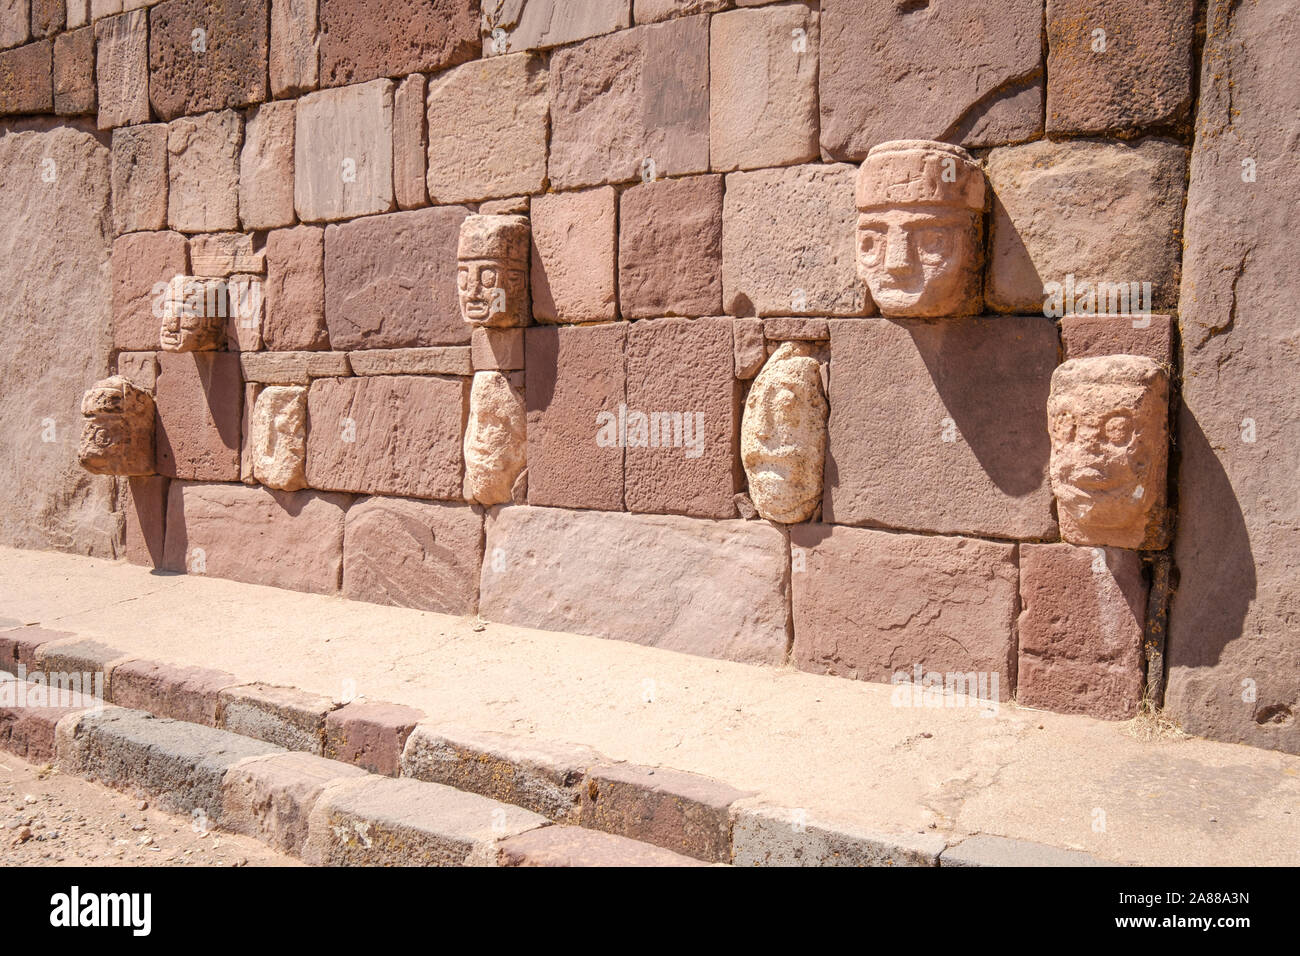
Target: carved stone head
920 229
783 435
492 270
495 439
118 436
1109 421
194 314
278 427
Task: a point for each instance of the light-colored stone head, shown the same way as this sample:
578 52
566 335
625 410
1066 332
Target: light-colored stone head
118 435
783 435
278 427
194 314
920 229
492 270
1109 421
495 438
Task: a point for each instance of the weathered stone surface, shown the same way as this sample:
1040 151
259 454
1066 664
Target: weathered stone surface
271 798
230 68
787 243
409 143
343 152
575 239
484 147
140 179
670 248
409 553
370 734
387 434
748 347
1138 72
1055 212
294 52
379 822
145 509
795 329
492 254
117 437
27 79
651 11
682 812
575 377
15 22
683 419
715 589
611 119
281 539
19 646
985 849
436 360
1109 420
55 241
763 87
222 254
1080 630
1233 615
497 349
266 168
873 605
92 661
74 72
496 443
122 69
1150 335
138 368
143 264
952 435
203 172
284 716
28 729
513 25
279 437
364 39
775 836
251 391
510 206
577 846
390 281
783 436
295 290
194 314
890 71
292 368
47 17
200 400
170 690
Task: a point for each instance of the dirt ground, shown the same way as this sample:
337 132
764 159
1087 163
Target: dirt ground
48 819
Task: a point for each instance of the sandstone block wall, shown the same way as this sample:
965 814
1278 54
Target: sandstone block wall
688 174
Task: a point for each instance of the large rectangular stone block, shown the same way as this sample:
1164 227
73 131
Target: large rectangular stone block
670 248
74 72
295 290
283 539
266 168
370 734
387 434
950 435
776 836
199 400
122 69
168 690
873 604
143 264
224 65
144 507
343 152
284 716
203 172
364 39
15 23
410 143
271 798
567 846
390 281
717 589
27 79
510 26
294 53
575 239
140 178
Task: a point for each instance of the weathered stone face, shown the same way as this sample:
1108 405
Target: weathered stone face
279 437
920 229
495 439
117 438
1108 418
783 435
192 320
492 271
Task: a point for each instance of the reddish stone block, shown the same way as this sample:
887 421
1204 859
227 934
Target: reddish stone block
229 71
140 179
294 33
200 401
796 329
390 281
578 846
283 539
1081 627
143 264
203 172
409 143
295 290
122 69
364 39
951 437
497 349
1150 335
138 368
748 347
28 730
77 659
421 554
670 248
15 23
26 79
873 605
370 735
681 379
48 17
387 434
266 168
19 646
171 690
145 505
576 382
343 152
74 72
574 245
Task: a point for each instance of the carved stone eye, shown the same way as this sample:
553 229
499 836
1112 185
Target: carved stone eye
1118 428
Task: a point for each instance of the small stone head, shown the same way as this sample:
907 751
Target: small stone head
495 438
492 270
1109 424
118 435
920 229
783 435
194 314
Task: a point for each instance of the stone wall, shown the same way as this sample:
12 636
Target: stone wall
688 171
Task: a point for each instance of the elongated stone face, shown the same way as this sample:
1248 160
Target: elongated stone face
783 435
495 439
920 229
279 437
492 271
1109 421
118 435
194 312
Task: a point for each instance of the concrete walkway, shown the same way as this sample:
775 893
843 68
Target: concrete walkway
838 749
